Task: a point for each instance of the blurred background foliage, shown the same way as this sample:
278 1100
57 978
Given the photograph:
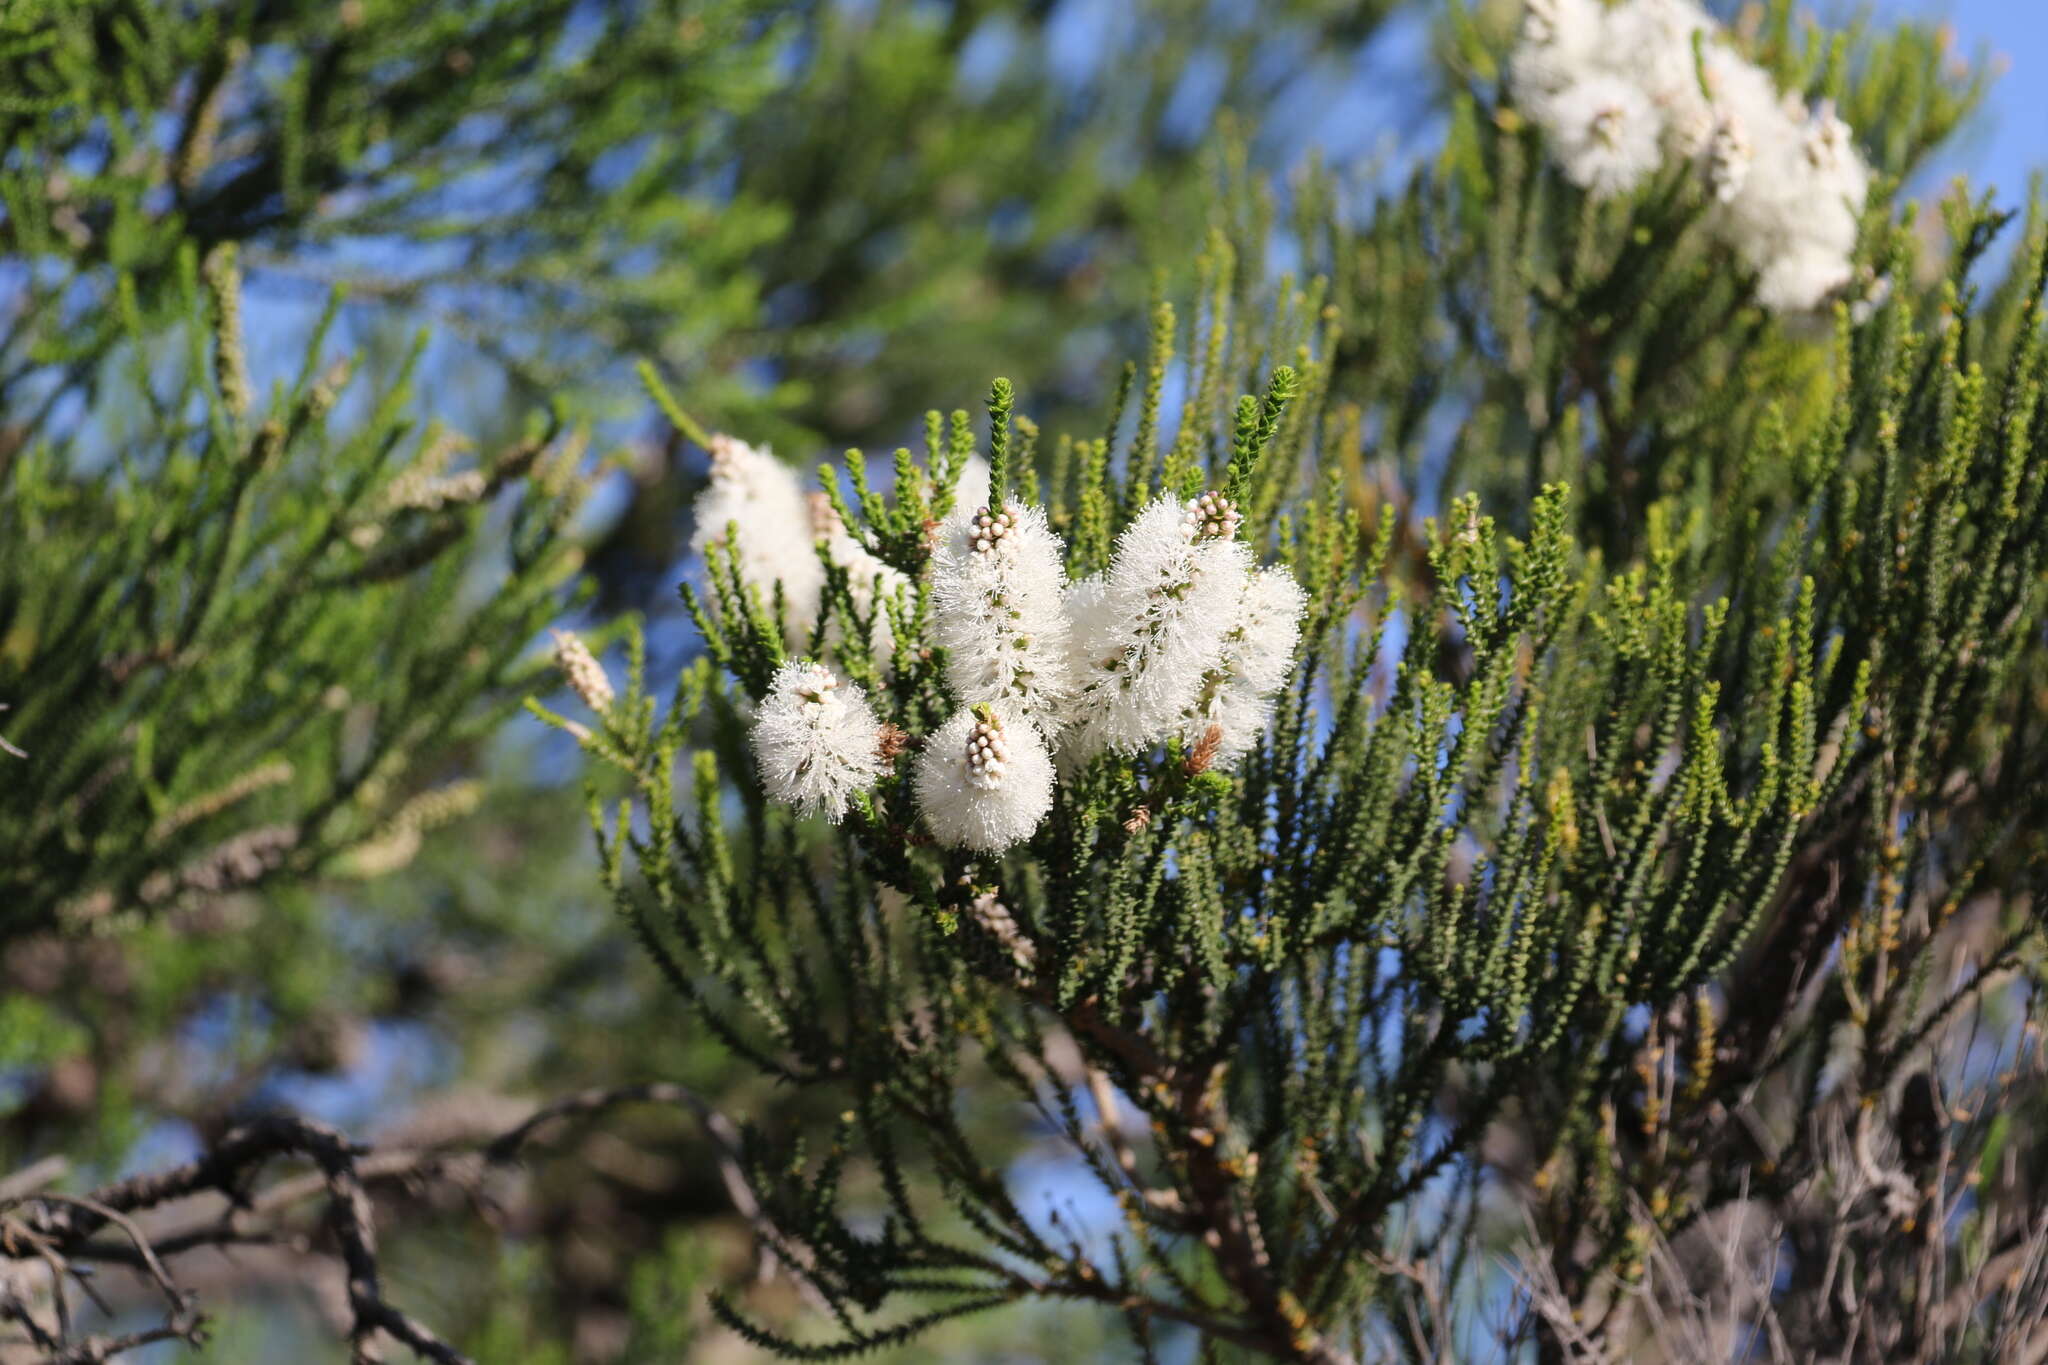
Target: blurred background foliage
816 218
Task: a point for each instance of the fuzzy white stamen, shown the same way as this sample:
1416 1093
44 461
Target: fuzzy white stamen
996 584
752 491
984 780
1151 627
1211 517
1236 698
1620 90
817 741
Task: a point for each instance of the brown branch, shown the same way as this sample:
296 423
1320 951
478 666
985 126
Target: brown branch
1232 1230
724 1134
65 1225
585 1103
62 1231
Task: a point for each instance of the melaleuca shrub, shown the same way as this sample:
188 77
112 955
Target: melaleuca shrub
1507 927
1314 884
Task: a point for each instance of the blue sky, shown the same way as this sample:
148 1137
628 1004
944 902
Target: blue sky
2010 139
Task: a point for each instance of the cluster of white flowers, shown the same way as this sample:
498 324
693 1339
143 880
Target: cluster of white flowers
817 741
1621 90
758 501
1181 637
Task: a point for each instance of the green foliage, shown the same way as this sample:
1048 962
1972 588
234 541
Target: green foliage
797 208
552 186
302 130
1649 844
281 620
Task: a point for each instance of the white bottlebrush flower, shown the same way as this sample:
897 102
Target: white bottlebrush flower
1236 698
1791 209
759 495
1736 87
1801 278
984 779
1606 134
1839 173
817 741
1151 627
996 581
1085 604
1560 43
1795 220
1649 43
1620 89
869 581
1729 158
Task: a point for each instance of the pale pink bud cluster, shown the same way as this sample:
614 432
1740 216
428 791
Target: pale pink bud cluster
1211 517
987 530
986 750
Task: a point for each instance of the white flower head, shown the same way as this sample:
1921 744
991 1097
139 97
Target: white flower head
1729 158
1607 134
1689 130
869 581
1651 44
1560 42
1838 168
1796 217
1151 627
1799 278
817 741
752 491
1621 89
1236 697
984 779
1737 86
996 583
